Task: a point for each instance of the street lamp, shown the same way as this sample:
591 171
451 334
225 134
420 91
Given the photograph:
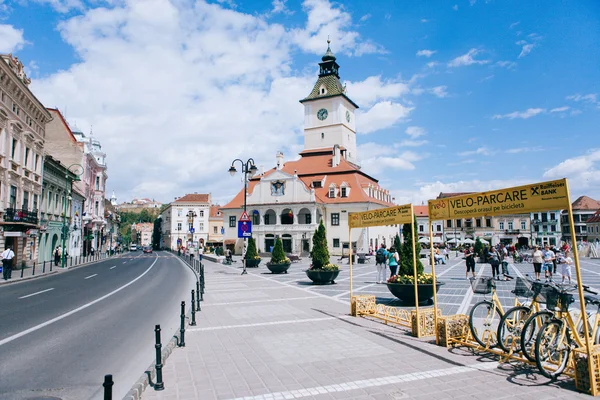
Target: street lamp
248 168
533 223
72 176
191 215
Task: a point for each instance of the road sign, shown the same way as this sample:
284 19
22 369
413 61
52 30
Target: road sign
244 229
244 217
192 230
222 231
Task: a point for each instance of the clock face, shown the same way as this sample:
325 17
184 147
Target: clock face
322 114
348 116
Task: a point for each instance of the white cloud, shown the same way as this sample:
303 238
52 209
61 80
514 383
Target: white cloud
560 109
591 98
382 115
411 143
426 53
280 7
484 151
440 91
583 173
526 49
467 59
373 89
487 78
423 20
415 131
530 112
365 17
432 64
11 39
518 150
325 20
507 64
455 7
514 24
63 6
404 161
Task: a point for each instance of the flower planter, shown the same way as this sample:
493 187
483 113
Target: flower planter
278 268
406 292
253 263
322 277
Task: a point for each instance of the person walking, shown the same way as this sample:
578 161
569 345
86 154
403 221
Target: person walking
57 254
446 253
494 258
549 257
380 260
470 261
393 259
566 263
7 257
538 259
504 260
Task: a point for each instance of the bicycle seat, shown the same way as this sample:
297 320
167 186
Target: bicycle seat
595 300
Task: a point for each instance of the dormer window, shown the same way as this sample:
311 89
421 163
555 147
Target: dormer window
317 184
332 191
344 190
322 90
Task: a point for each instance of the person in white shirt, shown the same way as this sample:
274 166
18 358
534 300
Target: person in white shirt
7 256
538 259
566 263
549 256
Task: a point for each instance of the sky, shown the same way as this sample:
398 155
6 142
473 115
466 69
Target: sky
454 95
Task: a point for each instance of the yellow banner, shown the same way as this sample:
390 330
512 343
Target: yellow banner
382 216
552 195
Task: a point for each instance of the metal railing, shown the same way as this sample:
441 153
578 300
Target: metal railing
21 215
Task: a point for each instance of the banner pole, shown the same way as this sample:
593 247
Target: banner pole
414 251
350 261
435 305
586 331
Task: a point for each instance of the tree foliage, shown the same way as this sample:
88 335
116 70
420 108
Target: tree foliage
278 255
406 257
156 234
398 244
129 217
478 248
320 252
251 252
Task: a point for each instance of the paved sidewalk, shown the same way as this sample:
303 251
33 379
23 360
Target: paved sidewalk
259 339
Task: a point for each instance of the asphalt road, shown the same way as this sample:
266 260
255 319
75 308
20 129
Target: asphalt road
59 335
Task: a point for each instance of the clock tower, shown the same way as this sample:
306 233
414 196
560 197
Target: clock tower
329 113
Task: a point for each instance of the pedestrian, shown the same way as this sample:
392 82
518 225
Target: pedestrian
538 259
549 256
57 254
554 261
470 261
7 257
504 260
566 263
380 259
200 253
494 258
393 259
446 253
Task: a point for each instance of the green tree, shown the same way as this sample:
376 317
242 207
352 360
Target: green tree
278 255
406 257
251 252
320 252
478 248
157 233
398 244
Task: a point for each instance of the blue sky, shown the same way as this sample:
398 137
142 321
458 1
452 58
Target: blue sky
454 95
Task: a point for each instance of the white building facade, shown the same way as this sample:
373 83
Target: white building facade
185 222
325 184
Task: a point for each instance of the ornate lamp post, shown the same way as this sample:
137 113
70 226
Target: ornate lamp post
532 223
248 168
191 215
72 175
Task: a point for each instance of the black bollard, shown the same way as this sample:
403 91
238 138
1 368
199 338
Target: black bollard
159 385
22 271
198 297
193 323
182 327
33 272
44 267
108 384
51 262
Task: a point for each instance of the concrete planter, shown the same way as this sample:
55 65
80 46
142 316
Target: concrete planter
279 268
406 292
322 277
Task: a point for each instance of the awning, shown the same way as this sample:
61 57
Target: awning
230 241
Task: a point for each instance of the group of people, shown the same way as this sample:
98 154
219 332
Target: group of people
383 258
547 259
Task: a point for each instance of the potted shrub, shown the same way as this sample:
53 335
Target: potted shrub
321 270
402 284
478 249
252 258
279 262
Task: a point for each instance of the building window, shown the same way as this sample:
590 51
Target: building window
14 149
553 216
179 226
232 221
56 201
97 183
215 230
96 208
201 226
179 213
449 223
35 202
523 225
335 219
536 216
439 228
501 225
343 192
201 213
308 219
459 223
13 197
421 228
336 242
332 191
488 222
468 223
510 225
26 156
35 162
478 223
317 184
25 200
322 135
190 226
553 228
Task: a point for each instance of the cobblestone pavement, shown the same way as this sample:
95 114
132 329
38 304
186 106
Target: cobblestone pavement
262 336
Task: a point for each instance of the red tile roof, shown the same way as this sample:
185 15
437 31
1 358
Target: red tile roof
585 203
314 165
215 211
194 198
595 217
421 211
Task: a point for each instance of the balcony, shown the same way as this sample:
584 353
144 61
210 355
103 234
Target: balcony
22 216
512 231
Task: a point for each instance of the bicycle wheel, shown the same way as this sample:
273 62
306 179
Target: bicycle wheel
484 320
530 330
552 349
511 326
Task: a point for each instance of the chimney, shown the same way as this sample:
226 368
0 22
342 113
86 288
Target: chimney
335 161
262 170
279 158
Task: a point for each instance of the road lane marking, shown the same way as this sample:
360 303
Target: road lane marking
124 262
33 294
465 306
114 266
91 276
65 315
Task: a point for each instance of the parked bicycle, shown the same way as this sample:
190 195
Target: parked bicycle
564 331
